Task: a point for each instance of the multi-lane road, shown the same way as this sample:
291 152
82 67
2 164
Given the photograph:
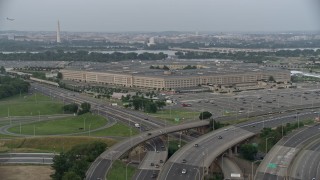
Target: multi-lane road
210 146
299 149
26 158
208 143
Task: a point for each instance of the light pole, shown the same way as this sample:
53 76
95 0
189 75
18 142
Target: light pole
222 161
267 143
127 170
198 172
84 124
180 139
252 175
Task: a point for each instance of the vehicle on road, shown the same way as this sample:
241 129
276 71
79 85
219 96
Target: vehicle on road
196 145
184 171
137 125
219 137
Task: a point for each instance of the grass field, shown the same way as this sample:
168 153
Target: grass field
116 130
182 114
118 171
67 125
29 105
48 144
22 172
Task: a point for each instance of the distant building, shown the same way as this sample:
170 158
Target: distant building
173 81
58 33
151 41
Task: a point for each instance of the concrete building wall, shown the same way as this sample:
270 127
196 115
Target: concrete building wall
175 82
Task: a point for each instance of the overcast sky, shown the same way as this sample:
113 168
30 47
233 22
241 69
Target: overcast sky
161 15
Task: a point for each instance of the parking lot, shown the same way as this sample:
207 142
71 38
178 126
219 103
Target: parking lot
247 101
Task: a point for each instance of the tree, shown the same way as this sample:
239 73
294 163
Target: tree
72 108
60 165
166 67
271 79
160 104
205 115
248 151
85 107
150 107
71 176
59 75
74 163
2 70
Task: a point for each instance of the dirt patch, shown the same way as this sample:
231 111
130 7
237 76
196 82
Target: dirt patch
25 172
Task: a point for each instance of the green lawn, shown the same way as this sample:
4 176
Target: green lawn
118 171
116 130
48 144
29 105
61 126
182 114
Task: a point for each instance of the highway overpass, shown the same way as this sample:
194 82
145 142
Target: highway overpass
101 165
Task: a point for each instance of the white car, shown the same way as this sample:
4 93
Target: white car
184 171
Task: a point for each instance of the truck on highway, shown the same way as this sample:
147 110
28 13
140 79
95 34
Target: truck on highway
137 125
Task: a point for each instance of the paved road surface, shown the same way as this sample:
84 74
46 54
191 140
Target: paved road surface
276 163
307 163
26 158
210 146
229 167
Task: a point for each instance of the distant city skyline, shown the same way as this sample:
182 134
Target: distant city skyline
158 16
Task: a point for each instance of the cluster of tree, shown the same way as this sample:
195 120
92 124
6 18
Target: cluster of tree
190 67
39 75
140 103
258 57
263 44
216 124
299 78
35 68
2 70
70 108
81 56
73 164
248 151
11 45
84 108
74 108
12 86
205 115
158 67
277 133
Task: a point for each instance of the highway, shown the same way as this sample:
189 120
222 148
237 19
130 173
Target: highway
156 155
210 146
230 168
117 150
104 161
26 158
127 116
276 163
306 165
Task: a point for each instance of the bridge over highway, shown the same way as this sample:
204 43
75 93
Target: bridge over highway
192 159
101 165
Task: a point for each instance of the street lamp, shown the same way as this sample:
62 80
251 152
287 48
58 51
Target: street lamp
252 175
222 161
267 143
127 170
